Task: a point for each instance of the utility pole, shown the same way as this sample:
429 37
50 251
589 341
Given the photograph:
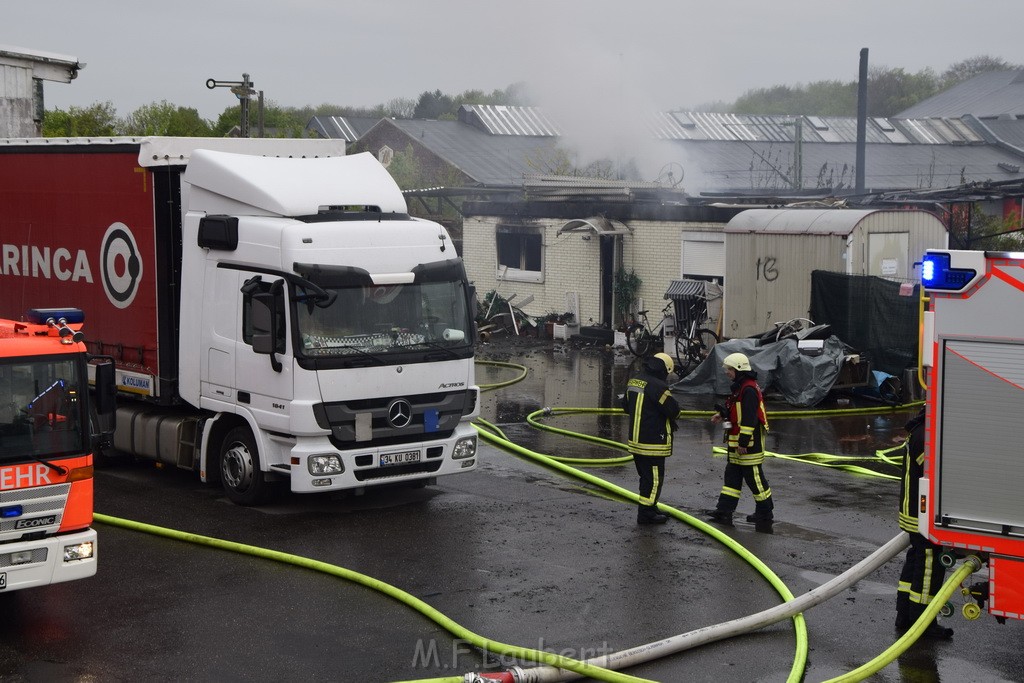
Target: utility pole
862 119
798 151
244 91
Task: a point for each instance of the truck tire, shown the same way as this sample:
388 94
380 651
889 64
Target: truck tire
240 474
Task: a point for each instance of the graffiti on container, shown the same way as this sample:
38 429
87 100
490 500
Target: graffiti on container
766 269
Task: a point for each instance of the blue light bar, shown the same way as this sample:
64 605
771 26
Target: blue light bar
937 273
10 512
39 316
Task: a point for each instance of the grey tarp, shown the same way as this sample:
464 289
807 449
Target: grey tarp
802 379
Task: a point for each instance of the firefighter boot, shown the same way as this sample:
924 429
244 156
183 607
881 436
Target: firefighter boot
648 514
762 518
723 517
936 632
902 611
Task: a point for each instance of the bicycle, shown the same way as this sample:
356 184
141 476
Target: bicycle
641 338
690 349
695 346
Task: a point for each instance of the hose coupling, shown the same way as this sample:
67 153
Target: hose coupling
513 675
548 412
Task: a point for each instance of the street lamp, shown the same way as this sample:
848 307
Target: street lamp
244 91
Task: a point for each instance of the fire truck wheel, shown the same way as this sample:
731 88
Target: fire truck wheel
240 473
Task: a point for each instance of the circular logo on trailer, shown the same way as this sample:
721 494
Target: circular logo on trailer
120 265
399 413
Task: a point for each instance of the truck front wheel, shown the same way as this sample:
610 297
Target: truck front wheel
240 474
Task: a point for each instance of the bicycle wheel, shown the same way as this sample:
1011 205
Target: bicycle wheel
691 351
639 340
700 348
683 362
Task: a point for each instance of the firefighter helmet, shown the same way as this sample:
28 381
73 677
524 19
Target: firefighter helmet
737 361
670 364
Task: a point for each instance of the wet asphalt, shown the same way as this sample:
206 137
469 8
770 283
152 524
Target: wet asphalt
512 551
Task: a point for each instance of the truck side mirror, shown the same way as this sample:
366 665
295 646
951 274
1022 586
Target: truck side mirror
105 397
106 389
264 323
266 326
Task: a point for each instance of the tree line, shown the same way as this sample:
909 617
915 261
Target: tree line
890 91
164 118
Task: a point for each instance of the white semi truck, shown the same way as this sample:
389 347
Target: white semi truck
275 313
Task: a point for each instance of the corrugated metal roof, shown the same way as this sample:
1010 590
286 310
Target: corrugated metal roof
487 159
344 128
988 94
735 153
508 120
938 131
769 167
1008 130
834 129
670 125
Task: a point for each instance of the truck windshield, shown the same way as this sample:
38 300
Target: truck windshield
385 319
41 411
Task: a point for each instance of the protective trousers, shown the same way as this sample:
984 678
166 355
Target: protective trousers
652 476
921 577
729 498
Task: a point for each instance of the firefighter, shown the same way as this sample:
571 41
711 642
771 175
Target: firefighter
922 573
745 425
652 412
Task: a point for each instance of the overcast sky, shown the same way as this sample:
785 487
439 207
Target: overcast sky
635 54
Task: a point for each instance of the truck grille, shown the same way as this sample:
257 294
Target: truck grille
433 416
37 503
399 471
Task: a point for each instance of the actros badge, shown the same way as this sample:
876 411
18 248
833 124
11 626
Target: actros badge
120 265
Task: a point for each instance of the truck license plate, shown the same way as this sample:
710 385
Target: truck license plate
403 458
3 580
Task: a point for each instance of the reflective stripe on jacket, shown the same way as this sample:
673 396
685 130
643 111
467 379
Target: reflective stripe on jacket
913 470
652 411
749 422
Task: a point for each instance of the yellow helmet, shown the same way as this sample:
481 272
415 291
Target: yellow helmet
737 361
670 364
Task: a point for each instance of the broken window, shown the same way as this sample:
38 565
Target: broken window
520 253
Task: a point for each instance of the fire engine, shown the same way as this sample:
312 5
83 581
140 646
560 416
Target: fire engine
47 424
972 495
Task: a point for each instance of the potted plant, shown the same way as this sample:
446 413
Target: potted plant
626 286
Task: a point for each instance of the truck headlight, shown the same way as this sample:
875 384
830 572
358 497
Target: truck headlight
464 448
79 551
320 465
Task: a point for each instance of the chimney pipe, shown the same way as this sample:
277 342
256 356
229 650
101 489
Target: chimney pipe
862 118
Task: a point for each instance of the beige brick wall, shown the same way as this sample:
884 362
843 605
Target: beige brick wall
572 264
